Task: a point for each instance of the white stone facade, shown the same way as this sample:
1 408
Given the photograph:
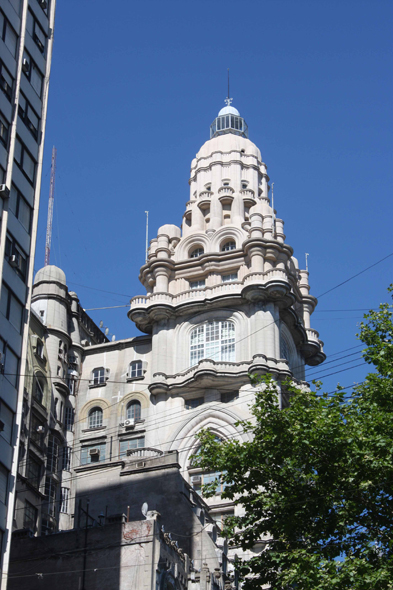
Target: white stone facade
224 298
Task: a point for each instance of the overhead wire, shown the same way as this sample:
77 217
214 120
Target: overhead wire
72 478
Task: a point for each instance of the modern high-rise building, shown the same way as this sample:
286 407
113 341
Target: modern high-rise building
26 40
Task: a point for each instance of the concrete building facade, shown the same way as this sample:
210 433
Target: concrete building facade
26 40
224 298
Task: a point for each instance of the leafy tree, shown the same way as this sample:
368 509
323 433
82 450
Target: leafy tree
316 482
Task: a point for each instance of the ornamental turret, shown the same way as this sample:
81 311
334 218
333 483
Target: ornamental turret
229 259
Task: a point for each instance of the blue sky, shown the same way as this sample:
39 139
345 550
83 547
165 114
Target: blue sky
134 88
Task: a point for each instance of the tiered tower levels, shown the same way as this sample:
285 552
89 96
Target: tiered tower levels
228 259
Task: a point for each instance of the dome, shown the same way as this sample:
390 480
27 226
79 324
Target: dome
229 110
50 273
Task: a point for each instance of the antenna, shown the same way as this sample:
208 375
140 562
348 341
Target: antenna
147 235
228 100
307 255
274 215
48 240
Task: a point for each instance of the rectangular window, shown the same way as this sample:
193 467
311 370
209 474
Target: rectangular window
131 443
6 81
11 308
11 367
4 125
28 115
98 376
66 464
34 472
51 493
69 418
71 385
53 455
8 34
229 278
93 453
136 369
16 256
65 496
36 32
32 73
25 160
7 417
3 484
20 208
197 284
30 517
16 5
37 431
190 404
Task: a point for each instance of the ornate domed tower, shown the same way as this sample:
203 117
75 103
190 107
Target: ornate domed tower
225 295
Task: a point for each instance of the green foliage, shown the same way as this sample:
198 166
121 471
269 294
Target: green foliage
316 481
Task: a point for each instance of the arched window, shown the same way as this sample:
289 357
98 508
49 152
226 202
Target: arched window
197 252
213 340
134 410
136 369
95 418
231 245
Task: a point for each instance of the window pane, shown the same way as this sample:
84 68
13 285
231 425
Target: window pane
28 165
4 300
134 411
7 416
3 484
18 151
36 79
30 23
24 214
13 202
16 5
11 367
10 39
16 312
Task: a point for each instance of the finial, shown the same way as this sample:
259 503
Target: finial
228 100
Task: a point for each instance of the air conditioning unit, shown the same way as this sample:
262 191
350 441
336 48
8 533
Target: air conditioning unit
94 451
4 191
129 423
14 260
26 65
196 479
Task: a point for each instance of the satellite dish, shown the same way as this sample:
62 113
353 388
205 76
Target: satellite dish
106 331
144 509
101 323
113 338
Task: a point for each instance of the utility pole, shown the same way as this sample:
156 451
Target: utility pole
48 240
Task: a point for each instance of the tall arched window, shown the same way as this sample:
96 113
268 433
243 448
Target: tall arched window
213 340
95 418
134 410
